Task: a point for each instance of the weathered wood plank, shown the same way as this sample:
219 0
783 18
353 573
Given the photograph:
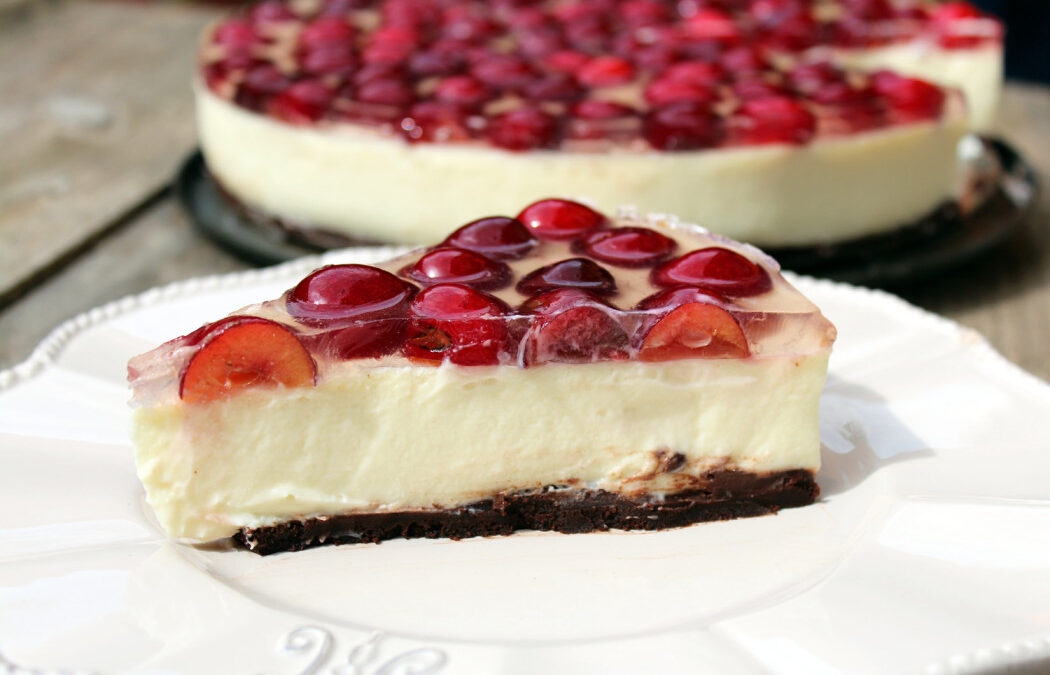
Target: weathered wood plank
158 248
95 115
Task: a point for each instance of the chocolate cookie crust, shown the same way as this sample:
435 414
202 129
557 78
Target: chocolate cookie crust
727 494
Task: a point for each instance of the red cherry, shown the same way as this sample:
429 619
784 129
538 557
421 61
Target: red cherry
572 326
605 71
597 109
775 120
662 92
683 126
811 77
869 10
712 24
265 80
560 218
386 92
909 99
341 292
245 352
566 61
326 31
744 59
554 87
327 60
695 330
496 237
453 265
236 34
715 268
749 90
459 324
700 73
362 309
462 90
437 61
642 13
578 273
503 72
952 11
523 129
301 103
341 7
626 246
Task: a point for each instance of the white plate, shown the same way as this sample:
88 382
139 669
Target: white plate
929 551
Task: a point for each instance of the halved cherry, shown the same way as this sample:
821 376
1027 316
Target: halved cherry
669 298
695 330
496 237
560 218
572 326
605 71
448 265
243 354
579 273
457 323
716 268
626 246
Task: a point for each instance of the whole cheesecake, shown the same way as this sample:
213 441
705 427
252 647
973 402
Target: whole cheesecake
556 371
379 119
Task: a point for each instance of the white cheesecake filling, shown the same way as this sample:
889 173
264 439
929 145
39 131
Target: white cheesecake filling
352 179
977 72
397 438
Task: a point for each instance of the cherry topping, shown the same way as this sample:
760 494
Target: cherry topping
302 103
454 265
700 73
496 237
695 330
235 34
560 218
665 90
683 126
523 129
605 71
457 323
245 352
712 24
387 92
461 89
909 99
775 119
572 326
580 273
715 268
326 31
627 246
338 292
505 72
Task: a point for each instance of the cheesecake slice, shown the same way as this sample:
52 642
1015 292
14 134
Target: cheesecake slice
561 370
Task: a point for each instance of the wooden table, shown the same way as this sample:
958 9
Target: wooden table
96 114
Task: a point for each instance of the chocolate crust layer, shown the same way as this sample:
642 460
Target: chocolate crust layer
727 494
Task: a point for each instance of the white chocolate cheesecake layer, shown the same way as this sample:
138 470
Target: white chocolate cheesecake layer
419 437
352 179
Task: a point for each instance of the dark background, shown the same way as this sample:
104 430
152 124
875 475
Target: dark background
1027 36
